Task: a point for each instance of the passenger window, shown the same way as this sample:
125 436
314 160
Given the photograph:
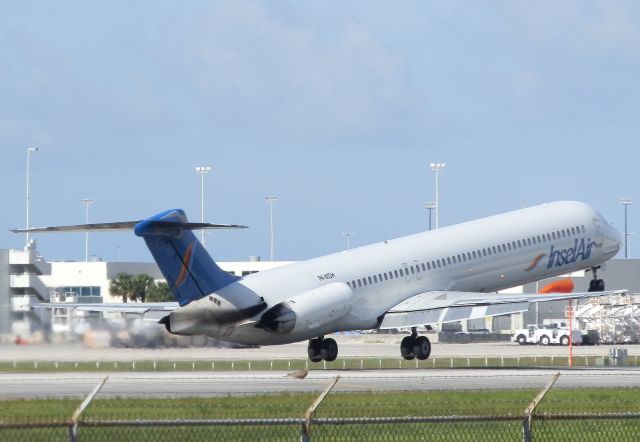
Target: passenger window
428 265
375 279
474 254
424 267
438 263
395 272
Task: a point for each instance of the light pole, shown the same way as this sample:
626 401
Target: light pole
437 167
28 199
86 203
626 202
631 234
202 170
348 235
271 200
429 207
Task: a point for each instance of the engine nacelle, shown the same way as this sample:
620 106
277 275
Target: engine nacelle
207 316
313 309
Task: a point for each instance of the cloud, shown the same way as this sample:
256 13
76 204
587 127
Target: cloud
301 77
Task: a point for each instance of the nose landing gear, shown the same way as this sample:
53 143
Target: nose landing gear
415 346
596 285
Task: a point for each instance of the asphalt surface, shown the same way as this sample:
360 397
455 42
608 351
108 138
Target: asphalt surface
383 346
60 385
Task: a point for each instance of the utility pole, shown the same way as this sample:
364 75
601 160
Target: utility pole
271 200
437 167
28 199
429 206
626 202
86 202
202 171
348 235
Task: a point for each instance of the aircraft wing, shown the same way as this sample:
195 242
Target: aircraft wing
149 310
445 306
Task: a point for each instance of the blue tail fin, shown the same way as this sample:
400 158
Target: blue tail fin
184 262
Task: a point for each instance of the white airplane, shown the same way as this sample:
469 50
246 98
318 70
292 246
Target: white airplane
444 275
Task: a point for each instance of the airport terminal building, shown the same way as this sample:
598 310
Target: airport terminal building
26 279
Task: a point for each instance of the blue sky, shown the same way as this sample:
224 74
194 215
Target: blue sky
336 107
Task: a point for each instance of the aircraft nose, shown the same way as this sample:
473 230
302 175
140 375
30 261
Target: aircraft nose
612 239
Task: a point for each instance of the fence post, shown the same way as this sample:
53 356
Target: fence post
305 430
75 418
528 413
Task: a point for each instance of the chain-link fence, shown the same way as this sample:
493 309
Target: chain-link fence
578 427
518 415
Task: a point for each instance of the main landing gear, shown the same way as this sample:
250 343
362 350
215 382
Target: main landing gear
415 346
596 285
322 349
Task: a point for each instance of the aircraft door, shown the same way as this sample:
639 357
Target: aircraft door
416 264
405 270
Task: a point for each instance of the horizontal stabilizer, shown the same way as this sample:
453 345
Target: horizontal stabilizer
128 225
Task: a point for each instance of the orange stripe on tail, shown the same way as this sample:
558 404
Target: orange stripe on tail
182 277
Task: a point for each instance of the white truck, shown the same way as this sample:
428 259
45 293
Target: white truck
549 334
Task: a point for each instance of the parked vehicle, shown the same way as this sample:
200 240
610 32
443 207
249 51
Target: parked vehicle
547 335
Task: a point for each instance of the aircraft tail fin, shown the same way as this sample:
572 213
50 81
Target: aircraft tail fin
189 270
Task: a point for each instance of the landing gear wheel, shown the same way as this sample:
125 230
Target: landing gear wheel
406 347
522 339
329 351
596 285
422 348
545 340
314 350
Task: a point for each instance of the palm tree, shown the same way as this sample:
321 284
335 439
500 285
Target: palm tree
159 292
140 287
122 286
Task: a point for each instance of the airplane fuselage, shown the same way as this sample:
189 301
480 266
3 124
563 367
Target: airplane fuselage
352 290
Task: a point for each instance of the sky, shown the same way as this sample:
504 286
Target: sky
335 107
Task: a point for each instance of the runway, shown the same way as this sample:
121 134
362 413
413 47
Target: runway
155 385
354 346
